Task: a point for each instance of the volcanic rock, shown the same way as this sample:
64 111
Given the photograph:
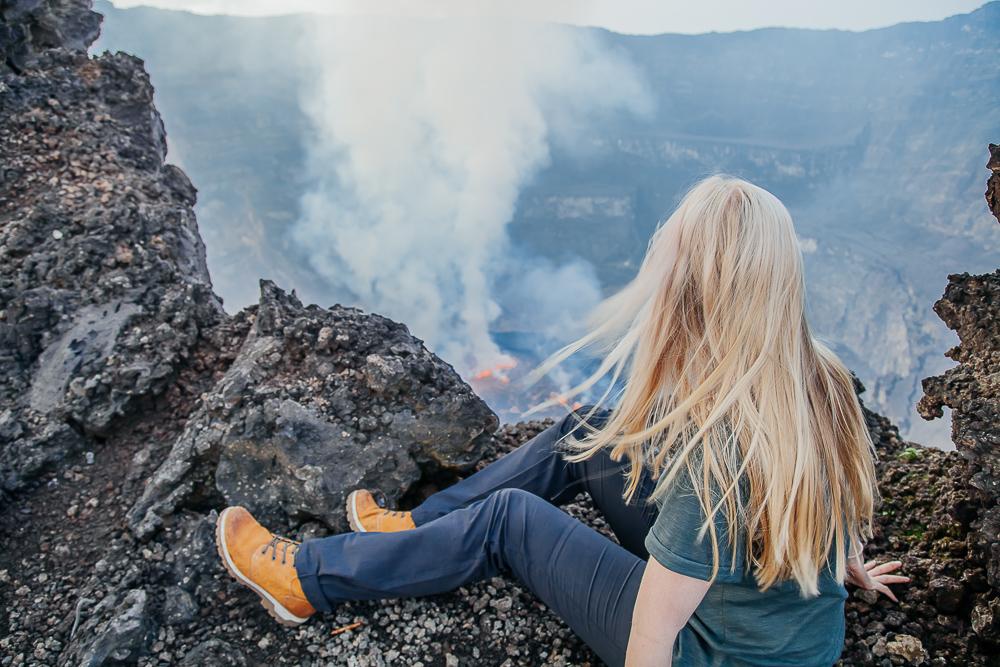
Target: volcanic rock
28 27
121 639
993 184
103 283
908 648
214 652
971 307
317 403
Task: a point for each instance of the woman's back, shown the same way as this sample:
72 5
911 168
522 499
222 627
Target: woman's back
736 620
721 379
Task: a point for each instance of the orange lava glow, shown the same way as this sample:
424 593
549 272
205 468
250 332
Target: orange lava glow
561 400
497 372
496 385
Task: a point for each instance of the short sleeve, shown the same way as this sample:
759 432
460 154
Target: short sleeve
673 540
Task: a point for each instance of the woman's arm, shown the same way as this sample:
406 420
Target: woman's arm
664 604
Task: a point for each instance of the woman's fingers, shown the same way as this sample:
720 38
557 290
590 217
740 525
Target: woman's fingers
884 590
879 577
875 569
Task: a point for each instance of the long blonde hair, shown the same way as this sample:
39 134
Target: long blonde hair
718 375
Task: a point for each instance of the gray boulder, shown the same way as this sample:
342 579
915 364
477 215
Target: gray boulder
119 630
317 403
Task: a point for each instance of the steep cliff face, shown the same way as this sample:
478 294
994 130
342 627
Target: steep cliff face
103 284
971 307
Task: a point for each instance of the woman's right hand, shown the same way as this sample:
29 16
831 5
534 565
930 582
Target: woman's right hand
873 576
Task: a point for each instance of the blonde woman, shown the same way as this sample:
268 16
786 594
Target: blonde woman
733 465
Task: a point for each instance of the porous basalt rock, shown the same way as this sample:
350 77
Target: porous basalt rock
30 27
119 640
214 652
971 307
993 184
926 518
103 283
317 403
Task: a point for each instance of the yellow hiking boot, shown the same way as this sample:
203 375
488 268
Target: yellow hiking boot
264 563
365 515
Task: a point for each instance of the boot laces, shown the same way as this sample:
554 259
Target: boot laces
287 546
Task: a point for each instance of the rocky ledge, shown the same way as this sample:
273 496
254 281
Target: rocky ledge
318 402
132 407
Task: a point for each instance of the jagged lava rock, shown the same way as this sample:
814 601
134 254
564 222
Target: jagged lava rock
121 639
104 287
971 307
29 27
993 184
317 403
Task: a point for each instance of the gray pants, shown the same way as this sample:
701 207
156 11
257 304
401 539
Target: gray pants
505 520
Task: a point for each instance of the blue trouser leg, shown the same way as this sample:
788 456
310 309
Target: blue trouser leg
503 520
538 466
584 577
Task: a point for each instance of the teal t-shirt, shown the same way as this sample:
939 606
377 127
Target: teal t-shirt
736 624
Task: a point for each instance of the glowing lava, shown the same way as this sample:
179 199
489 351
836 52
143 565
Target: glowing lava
561 400
500 387
498 372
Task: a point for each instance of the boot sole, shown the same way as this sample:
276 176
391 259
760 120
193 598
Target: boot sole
277 610
351 506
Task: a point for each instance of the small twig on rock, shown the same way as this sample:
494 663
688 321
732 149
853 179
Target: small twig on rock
345 628
77 614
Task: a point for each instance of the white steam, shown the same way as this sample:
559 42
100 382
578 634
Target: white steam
425 133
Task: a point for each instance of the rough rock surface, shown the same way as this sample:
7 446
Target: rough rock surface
993 184
52 560
971 306
131 407
317 403
927 518
103 282
29 27
61 544
122 638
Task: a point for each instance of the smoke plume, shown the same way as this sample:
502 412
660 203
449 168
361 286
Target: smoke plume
424 133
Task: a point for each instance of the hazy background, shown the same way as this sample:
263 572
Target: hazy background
636 17
486 177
